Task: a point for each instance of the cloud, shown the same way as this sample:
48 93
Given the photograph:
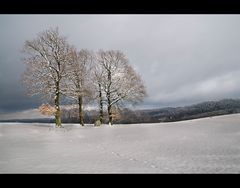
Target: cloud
215 88
182 58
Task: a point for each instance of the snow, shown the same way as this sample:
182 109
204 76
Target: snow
208 145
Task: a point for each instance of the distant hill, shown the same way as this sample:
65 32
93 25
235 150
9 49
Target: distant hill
170 114
40 120
31 115
200 110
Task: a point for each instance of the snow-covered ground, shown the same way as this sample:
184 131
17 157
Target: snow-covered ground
208 145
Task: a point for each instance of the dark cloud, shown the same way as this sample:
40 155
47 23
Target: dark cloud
183 59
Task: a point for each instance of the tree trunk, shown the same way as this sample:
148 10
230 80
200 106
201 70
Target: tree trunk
110 114
109 98
100 104
57 107
80 104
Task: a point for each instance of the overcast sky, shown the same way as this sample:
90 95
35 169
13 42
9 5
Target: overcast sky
183 59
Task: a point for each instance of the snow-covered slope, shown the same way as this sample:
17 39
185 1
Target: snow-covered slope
208 145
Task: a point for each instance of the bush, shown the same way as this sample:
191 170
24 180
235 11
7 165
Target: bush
97 123
47 110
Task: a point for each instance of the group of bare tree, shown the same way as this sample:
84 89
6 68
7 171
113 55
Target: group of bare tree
56 69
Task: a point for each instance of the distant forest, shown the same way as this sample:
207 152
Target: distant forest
126 116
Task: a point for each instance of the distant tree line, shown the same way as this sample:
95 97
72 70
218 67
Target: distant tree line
126 116
56 70
205 109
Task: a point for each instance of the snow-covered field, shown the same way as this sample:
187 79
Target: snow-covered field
208 145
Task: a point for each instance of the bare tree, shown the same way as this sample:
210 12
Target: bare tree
97 82
119 81
46 62
78 87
